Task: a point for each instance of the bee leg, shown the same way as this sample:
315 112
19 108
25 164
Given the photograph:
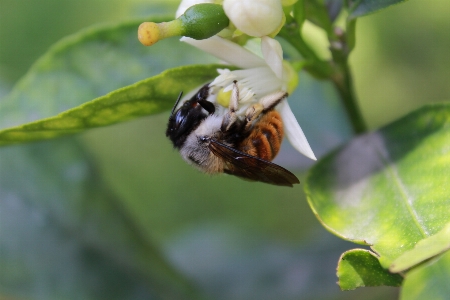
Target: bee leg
270 101
266 103
208 106
230 117
252 113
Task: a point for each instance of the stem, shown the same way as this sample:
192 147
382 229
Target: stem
342 80
315 66
337 71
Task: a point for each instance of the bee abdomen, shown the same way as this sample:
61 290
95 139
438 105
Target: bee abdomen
266 137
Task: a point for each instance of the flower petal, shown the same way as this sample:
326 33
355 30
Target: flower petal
255 17
293 131
273 54
227 51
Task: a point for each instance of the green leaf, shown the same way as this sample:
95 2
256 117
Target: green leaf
359 8
387 189
317 13
359 268
66 236
429 281
90 64
424 249
299 13
149 96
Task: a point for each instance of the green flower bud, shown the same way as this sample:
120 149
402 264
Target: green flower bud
202 21
199 22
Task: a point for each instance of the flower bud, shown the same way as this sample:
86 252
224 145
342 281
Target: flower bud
255 17
199 22
202 21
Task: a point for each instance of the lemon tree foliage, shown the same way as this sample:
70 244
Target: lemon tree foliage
91 64
59 219
360 267
360 8
429 281
423 250
384 189
146 97
59 223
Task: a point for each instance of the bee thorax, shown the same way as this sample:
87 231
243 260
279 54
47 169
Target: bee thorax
196 148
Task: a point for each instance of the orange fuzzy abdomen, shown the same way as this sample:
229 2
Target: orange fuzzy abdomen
265 139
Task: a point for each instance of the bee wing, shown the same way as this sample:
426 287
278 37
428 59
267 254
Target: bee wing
251 167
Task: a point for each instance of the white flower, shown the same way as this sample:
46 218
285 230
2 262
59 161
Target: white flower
255 17
259 77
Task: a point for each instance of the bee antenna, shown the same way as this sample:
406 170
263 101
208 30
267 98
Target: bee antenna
176 103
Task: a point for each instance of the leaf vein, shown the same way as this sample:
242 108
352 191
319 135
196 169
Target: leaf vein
408 199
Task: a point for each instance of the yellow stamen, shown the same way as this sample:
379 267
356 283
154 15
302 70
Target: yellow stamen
223 98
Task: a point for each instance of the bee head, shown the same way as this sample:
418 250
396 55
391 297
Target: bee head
188 117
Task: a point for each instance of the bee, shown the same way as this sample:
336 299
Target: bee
229 144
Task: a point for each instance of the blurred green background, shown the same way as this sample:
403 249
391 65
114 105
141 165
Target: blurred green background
241 240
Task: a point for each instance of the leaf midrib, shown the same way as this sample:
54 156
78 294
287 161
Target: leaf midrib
390 168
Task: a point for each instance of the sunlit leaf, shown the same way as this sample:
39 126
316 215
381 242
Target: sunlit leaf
90 64
387 189
430 281
360 8
359 267
146 97
423 250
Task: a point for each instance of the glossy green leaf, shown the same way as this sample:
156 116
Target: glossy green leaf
359 8
430 281
146 97
90 64
359 268
64 235
4 89
387 189
423 250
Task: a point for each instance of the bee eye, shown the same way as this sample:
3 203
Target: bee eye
178 119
